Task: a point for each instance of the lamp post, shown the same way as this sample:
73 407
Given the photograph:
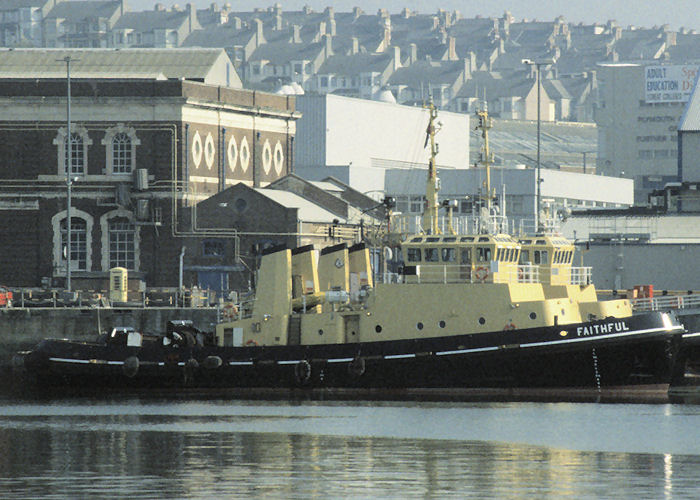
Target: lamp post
538 65
69 180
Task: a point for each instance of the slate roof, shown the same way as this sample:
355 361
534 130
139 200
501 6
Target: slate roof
283 52
225 35
308 211
427 71
7 5
355 64
83 10
150 20
172 63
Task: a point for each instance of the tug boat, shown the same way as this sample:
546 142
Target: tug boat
467 314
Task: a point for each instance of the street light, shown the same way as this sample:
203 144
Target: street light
538 65
69 179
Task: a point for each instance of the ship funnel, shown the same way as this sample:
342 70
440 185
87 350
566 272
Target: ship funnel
334 268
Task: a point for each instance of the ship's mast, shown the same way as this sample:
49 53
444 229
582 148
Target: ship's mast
430 215
485 124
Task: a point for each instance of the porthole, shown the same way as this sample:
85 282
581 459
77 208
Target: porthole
419 325
320 331
533 315
378 328
441 324
482 320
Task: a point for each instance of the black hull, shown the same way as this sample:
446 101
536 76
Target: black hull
685 384
638 351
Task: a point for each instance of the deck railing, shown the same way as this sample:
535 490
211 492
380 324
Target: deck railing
524 273
665 302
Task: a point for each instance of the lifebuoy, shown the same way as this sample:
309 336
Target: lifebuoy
509 326
252 342
481 273
230 311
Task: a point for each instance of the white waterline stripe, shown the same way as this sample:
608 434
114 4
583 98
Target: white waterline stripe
689 335
69 360
593 337
400 356
240 363
464 351
340 360
288 362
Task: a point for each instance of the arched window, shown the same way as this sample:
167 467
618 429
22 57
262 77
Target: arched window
121 153
80 241
120 148
122 243
76 154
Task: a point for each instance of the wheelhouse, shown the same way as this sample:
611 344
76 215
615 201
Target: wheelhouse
549 258
476 258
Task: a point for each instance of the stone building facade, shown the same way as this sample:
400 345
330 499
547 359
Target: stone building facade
142 154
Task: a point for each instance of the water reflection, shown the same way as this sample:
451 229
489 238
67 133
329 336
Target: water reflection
198 449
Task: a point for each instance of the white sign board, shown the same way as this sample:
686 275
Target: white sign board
669 83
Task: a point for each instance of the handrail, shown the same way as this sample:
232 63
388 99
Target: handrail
481 273
665 302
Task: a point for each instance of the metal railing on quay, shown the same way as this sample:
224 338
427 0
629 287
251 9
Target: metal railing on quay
151 298
665 302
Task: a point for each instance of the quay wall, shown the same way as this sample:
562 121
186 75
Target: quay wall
23 328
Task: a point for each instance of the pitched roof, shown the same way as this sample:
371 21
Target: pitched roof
151 19
191 64
83 10
21 4
225 35
308 211
355 64
435 72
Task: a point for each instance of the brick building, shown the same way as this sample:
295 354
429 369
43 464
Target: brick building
143 152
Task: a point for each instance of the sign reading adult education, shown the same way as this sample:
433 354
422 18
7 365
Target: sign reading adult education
669 83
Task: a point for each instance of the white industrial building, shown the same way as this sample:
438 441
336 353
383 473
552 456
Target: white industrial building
639 110
516 190
379 148
357 140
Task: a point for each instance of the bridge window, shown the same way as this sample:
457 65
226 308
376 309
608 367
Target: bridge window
524 256
483 254
413 254
541 257
448 254
466 255
431 255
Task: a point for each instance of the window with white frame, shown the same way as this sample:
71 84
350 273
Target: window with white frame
78 243
122 243
80 240
75 156
120 148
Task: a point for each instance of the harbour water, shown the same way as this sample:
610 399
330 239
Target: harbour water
200 446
